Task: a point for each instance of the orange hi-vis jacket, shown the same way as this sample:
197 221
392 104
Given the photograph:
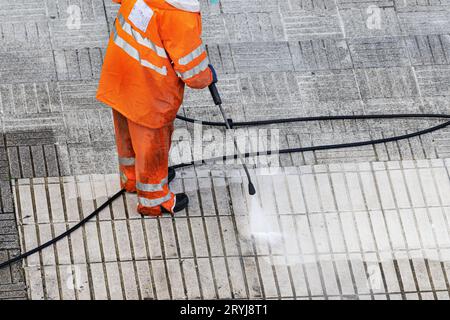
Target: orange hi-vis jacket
154 50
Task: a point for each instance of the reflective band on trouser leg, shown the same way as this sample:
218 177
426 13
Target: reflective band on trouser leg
150 203
123 177
194 71
152 159
128 178
191 56
140 39
126 161
125 151
134 53
149 187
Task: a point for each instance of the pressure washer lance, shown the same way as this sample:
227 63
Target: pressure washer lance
218 102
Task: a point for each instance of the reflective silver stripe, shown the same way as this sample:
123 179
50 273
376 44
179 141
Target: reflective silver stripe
153 202
126 161
193 55
194 71
132 52
147 187
140 39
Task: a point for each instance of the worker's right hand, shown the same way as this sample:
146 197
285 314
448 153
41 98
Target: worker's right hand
214 74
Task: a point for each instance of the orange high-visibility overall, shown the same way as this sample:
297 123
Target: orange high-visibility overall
154 50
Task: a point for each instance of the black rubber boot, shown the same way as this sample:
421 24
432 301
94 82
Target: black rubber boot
171 175
181 203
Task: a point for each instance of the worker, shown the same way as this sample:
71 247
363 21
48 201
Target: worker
155 49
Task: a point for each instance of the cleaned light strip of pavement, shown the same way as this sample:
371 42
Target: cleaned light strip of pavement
342 231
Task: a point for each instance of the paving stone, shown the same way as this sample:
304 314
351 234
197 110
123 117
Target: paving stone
433 81
34 98
320 54
67 32
17 11
262 57
314 24
6 196
27 66
344 4
386 82
253 6
414 20
243 27
79 64
379 52
429 49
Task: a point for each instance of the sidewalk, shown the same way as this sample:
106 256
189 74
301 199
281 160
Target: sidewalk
275 59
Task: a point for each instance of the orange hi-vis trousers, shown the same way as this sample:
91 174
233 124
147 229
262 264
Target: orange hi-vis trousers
143 161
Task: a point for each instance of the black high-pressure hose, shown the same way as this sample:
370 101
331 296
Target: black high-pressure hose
320 118
247 155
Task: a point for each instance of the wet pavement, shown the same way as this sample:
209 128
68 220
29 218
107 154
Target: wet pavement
367 223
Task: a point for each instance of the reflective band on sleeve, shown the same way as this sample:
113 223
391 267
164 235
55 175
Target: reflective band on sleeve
153 202
191 56
126 161
194 71
132 52
140 39
148 187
